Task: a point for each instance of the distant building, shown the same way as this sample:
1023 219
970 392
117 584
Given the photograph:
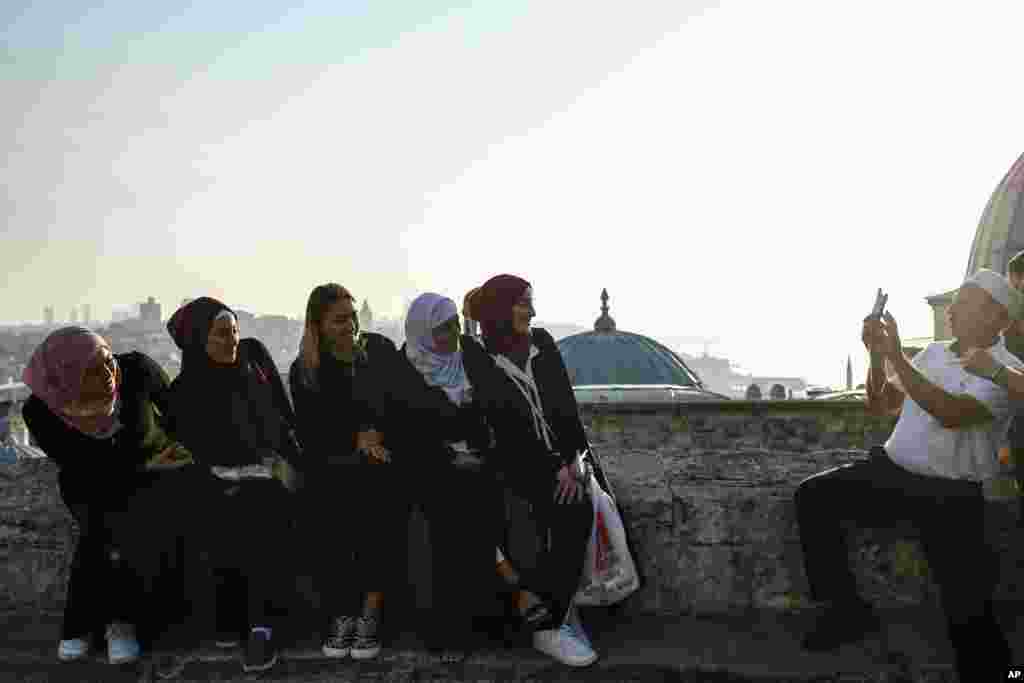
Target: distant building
48 316
73 317
722 376
123 313
150 312
998 237
86 314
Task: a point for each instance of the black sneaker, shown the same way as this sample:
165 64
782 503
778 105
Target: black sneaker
260 653
367 643
343 636
840 625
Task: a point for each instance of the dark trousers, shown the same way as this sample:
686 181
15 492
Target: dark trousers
950 516
247 540
564 533
358 516
128 539
464 513
101 590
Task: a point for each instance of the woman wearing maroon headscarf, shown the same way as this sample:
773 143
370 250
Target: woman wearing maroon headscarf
524 388
97 414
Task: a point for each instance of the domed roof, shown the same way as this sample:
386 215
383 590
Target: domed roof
1000 232
610 356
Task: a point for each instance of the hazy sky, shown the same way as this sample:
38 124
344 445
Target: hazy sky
744 170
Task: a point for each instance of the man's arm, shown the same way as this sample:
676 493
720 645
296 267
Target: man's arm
953 411
884 397
979 362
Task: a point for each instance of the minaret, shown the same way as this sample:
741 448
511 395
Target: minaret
366 316
605 323
849 374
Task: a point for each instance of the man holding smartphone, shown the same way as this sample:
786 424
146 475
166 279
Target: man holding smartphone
929 472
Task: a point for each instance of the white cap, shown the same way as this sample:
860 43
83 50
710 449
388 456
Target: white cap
999 288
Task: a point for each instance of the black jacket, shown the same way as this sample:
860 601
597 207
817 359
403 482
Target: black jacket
332 411
238 422
94 469
422 418
519 452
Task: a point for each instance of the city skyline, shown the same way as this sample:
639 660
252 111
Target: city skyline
739 170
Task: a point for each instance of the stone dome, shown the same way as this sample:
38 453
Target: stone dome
1000 232
609 356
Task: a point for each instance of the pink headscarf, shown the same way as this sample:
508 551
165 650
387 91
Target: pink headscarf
56 372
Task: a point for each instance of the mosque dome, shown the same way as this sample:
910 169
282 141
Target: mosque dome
1000 232
609 356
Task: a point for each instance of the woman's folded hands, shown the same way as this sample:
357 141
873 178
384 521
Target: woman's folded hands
371 443
173 456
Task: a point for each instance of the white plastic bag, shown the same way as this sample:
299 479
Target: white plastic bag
609 575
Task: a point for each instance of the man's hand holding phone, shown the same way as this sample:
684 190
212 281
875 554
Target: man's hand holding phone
872 332
880 333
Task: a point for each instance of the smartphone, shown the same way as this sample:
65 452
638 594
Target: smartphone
879 308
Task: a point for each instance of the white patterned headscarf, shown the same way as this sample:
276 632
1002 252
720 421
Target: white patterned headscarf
442 370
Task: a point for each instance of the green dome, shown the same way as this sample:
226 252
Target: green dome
608 356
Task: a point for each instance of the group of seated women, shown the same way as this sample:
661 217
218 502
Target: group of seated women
220 460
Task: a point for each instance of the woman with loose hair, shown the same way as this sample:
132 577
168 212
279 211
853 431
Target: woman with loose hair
522 383
337 383
98 415
229 407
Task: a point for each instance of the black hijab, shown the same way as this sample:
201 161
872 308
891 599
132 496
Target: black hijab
223 396
190 329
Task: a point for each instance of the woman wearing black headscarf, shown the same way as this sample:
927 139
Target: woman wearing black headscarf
229 407
521 381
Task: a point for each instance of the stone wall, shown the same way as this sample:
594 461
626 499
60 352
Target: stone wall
705 488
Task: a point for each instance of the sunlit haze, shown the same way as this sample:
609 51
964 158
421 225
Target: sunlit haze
745 171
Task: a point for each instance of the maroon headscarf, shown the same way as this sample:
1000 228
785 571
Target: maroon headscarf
56 373
493 307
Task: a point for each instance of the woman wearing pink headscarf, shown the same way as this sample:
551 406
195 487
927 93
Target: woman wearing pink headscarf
97 414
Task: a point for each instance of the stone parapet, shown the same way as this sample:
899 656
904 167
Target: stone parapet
706 491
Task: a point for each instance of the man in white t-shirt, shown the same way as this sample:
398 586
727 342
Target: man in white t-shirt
929 472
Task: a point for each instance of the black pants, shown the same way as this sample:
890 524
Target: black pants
357 515
464 512
950 516
564 533
100 590
247 540
128 539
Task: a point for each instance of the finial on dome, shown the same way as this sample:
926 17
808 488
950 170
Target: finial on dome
605 323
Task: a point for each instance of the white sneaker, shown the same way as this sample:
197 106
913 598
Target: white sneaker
572 620
122 647
72 649
565 646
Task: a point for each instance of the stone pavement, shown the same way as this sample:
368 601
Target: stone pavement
760 646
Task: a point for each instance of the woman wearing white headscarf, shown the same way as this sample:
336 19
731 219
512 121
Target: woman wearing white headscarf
442 433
